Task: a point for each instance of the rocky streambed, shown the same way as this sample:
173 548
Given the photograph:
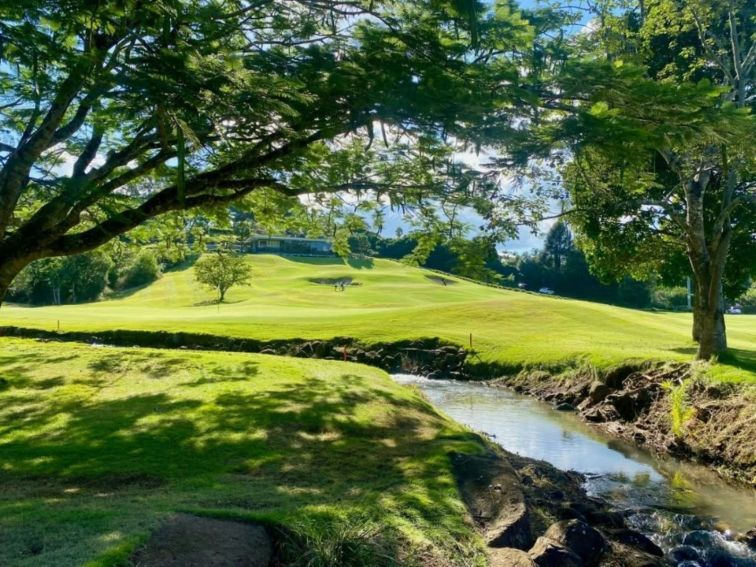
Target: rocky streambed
531 513
565 493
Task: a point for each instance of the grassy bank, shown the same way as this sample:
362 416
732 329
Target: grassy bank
99 445
393 301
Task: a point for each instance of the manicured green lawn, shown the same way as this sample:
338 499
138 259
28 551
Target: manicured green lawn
98 445
395 302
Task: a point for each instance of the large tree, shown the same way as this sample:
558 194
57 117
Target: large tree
661 146
115 112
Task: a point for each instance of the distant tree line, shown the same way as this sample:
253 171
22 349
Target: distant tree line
84 277
124 263
560 265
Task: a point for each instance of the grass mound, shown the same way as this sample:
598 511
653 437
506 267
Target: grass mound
102 445
397 302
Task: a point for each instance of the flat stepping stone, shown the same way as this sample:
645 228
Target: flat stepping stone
192 541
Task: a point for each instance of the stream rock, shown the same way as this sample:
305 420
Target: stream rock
492 493
637 540
508 557
548 553
750 538
684 553
580 538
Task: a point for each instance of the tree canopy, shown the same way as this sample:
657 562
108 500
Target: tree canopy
659 136
119 111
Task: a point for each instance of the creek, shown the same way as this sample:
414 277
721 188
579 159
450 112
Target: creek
686 509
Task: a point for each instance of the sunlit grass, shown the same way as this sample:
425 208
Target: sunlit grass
393 301
99 445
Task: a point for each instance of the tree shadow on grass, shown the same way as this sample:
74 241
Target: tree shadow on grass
301 437
17 366
286 447
743 359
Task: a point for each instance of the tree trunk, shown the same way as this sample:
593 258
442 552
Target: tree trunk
698 317
708 318
713 334
707 253
4 285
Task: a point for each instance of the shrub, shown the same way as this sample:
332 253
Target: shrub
144 269
680 412
674 298
748 300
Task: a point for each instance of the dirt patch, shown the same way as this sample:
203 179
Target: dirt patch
713 424
334 281
193 541
441 280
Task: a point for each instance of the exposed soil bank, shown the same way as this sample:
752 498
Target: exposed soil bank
662 407
427 357
531 513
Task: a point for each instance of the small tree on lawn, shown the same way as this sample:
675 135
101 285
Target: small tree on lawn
222 271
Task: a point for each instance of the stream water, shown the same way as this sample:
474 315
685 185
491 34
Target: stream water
691 513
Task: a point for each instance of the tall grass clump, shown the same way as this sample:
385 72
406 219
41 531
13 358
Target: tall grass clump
680 412
344 542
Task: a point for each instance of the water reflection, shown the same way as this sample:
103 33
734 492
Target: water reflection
665 498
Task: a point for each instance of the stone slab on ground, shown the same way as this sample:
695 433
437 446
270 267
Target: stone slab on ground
193 541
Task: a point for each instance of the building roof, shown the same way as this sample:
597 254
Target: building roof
295 238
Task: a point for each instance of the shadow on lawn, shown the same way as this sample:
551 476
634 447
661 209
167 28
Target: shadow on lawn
295 444
740 358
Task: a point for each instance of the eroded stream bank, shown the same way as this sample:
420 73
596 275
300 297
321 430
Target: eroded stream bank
687 511
665 408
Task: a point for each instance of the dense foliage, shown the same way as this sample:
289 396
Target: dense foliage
63 280
119 111
660 168
143 269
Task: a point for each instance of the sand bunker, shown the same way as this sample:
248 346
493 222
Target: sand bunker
441 280
334 281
